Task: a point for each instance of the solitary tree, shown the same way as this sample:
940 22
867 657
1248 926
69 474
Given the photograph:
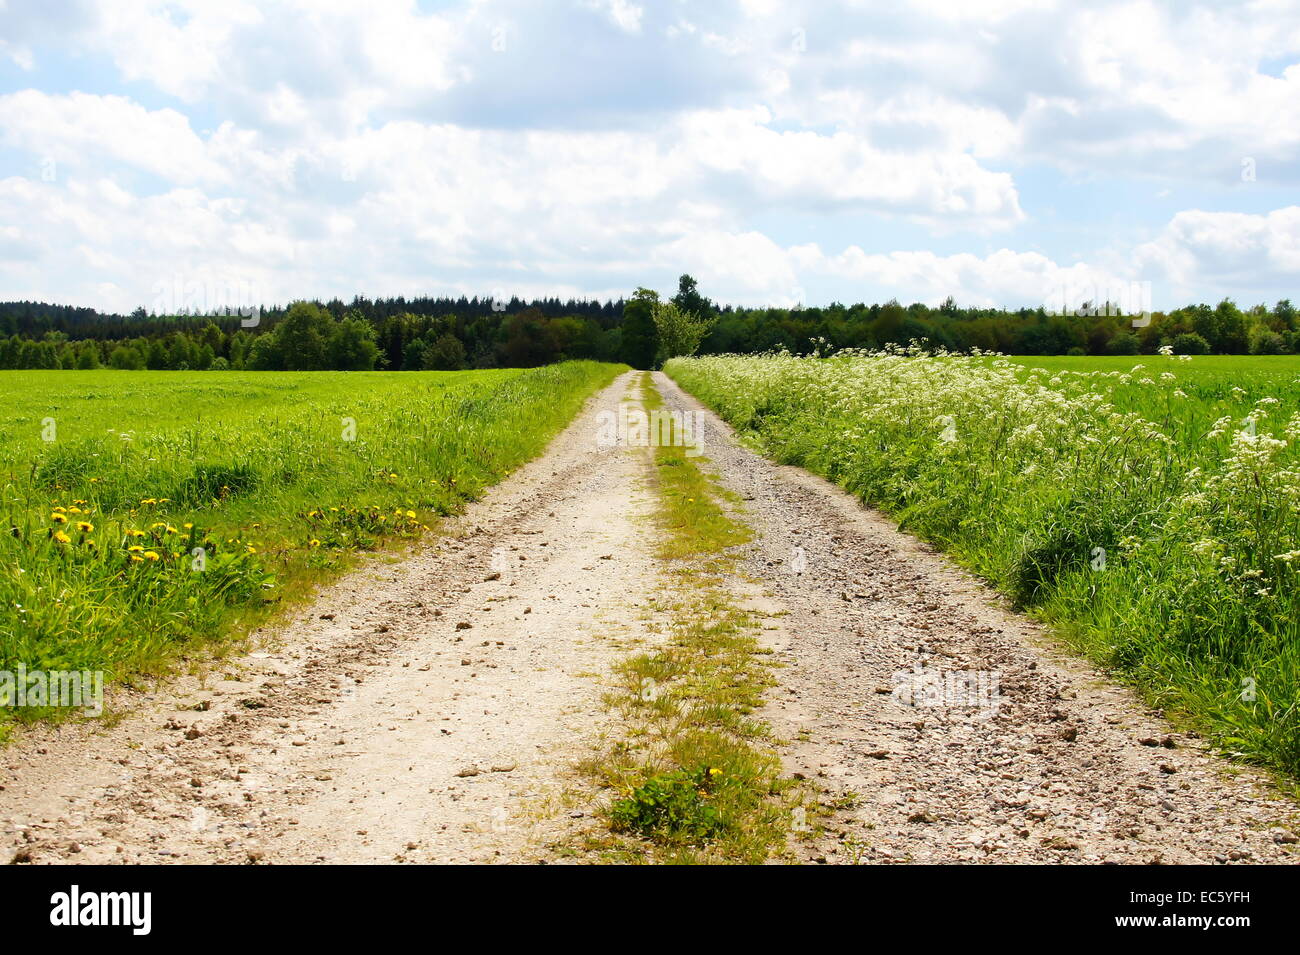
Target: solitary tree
689 299
680 332
637 347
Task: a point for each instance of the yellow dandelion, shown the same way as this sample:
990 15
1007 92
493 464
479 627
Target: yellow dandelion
411 514
314 542
135 549
134 533
62 538
251 549
137 559
85 526
59 518
149 555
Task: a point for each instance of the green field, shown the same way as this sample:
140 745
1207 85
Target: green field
1148 507
1203 378
150 515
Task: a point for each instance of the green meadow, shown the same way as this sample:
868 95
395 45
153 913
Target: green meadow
150 516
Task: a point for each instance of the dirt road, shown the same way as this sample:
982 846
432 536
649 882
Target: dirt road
433 708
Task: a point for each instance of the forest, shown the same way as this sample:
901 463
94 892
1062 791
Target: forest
400 334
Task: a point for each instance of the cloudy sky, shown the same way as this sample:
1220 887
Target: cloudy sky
1002 151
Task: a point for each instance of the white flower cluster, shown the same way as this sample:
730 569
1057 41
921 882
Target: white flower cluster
911 427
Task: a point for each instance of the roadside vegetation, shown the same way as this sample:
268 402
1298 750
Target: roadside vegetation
1149 509
148 518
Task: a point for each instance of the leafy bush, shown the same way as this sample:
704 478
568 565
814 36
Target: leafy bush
672 806
1190 343
1265 342
1124 343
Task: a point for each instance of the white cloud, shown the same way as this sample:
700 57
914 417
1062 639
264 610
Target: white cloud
985 11
844 168
411 202
81 129
1001 278
1233 251
324 146
622 13
182 48
21 56
750 266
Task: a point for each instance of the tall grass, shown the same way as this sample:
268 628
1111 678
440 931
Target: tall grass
1152 513
146 516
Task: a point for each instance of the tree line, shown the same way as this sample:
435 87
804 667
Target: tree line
643 330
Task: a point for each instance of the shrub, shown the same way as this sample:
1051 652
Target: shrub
1265 342
1124 343
1190 343
673 806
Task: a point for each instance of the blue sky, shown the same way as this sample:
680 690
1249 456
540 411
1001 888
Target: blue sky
1005 152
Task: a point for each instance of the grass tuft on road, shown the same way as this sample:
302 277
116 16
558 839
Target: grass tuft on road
696 779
